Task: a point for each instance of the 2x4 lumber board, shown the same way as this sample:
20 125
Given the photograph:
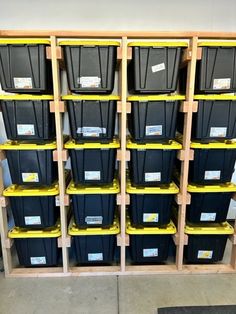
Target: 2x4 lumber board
191 71
38 272
95 271
60 144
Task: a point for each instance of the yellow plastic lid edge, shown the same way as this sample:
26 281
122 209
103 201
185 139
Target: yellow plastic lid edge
156 98
24 41
21 233
216 229
172 189
215 97
230 187
73 189
26 97
17 191
173 145
14 145
71 144
216 43
90 97
88 42
158 44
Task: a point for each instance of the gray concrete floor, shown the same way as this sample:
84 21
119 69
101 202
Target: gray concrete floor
125 295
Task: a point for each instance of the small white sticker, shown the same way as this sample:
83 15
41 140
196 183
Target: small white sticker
25 129
39 260
57 200
23 82
95 256
158 67
94 220
223 83
32 220
150 252
89 81
91 131
212 175
154 130
218 132
208 217
152 176
152 217
92 175
30 177
205 254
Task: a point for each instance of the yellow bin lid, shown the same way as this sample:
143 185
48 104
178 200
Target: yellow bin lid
155 97
216 43
225 187
25 97
73 145
91 97
88 43
14 145
21 190
229 96
169 229
7 41
208 229
22 233
163 189
170 145
158 44
73 230
214 145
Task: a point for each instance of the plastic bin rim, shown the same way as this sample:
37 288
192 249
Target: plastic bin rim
171 188
14 145
214 145
73 230
71 144
88 43
216 43
113 188
24 41
169 229
156 97
221 228
225 187
158 44
215 97
171 145
21 190
90 97
22 233
26 97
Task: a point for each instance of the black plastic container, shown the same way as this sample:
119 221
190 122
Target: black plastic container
90 65
31 164
213 162
28 117
93 163
24 67
93 206
152 164
94 245
154 67
206 244
151 206
153 118
92 118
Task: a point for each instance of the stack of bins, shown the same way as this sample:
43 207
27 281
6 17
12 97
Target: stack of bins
30 128
154 69
90 67
210 172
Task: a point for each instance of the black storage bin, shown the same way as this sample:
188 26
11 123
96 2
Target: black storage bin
92 118
90 65
209 203
153 118
24 67
152 164
206 244
36 248
151 206
154 67
217 67
213 162
94 245
93 163
93 206
33 208
31 164
28 117
150 244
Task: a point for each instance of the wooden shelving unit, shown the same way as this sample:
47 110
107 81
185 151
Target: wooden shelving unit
191 55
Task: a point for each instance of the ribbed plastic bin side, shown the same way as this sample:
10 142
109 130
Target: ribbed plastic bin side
24 67
90 66
28 117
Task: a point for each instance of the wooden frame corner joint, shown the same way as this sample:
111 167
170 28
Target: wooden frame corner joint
59 53
127 107
119 199
64 155
120 242
120 155
60 105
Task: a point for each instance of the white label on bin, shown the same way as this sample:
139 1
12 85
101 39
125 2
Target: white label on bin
57 200
30 177
23 82
152 217
212 175
152 176
158 67
154 130
95 256
218 132
25 129
205 254
223 83
91 131
92 175
39 260
150 252
89 81
94 220
32 220
208 217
